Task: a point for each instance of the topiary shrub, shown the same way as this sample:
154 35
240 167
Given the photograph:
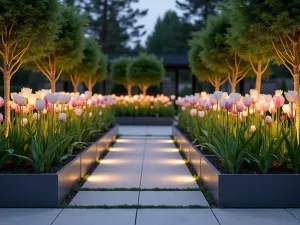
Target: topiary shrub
144 71
119 72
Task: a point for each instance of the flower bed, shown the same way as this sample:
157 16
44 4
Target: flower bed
254 158
44 152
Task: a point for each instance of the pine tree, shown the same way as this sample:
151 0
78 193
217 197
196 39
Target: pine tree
114 23
170 34
197 10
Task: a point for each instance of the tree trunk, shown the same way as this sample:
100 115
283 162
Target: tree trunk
6 78
258 82
129 88
75 87
296 88
217 87
233 87
144 89
53 85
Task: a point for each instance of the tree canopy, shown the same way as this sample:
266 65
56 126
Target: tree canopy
23 23
169 34
199 69
217 54
67 50
144 71
119 72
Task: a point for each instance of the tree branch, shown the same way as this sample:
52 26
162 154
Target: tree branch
282 58
45 73
16 69
252 65
59 74
266 67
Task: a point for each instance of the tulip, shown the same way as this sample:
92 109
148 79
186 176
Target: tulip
62 117
291 115
240 107
278 101
282 117
100 113
90 114
1 117
24 121
26 92
278 93
253 94
88 94
218 95
201 114
286 108
78 111
207 106
235 97
40 105
193 112
173 97
268 120
36 116
222 103
1 101
247 100
228 104
182 108
52 97
258 107
291 96
252 128
25 110
19 99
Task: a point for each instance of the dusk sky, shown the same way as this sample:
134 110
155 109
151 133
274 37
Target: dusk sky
156 8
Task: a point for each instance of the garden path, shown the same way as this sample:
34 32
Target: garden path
144 158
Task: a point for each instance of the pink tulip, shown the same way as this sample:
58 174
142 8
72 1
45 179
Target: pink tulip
228 104
247 100
252 129
268 120
291 96
1 117
218 95
222 103
258 107
201 114
78 111
19 99
182 108
1 101
240 107
282 117
62 117
40 105
291 115
278 101
25 110
36 116
193 112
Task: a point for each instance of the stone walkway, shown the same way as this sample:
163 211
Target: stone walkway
145 158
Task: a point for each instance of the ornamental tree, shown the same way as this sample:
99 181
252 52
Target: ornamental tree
278 23
218 55
67 51
119 72
90 62
100 75
199 69
144 71
249 45
27 30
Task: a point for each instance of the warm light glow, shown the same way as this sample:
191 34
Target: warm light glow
168 150
125 141
117 161
169 161
163 141
180 178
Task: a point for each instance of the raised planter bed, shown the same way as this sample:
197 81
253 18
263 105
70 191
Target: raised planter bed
46 189
243 190
144 120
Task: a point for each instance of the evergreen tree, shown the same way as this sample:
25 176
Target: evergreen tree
197 10
114 23
169 34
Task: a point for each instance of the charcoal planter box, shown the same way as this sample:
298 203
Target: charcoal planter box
144 120
244 190
48 190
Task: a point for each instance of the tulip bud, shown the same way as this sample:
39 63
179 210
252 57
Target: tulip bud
100 113
24 121
1 117
90 114
193 112
201 114
62 117
252 129
36 116
268 120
